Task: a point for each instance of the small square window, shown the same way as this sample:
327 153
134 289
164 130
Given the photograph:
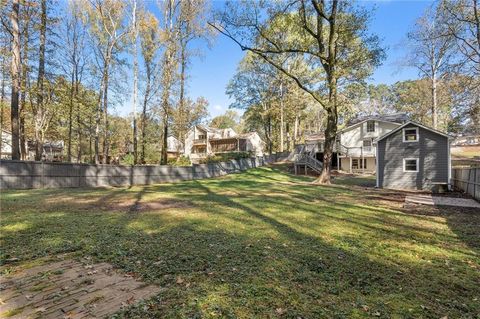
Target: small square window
410 134
410 164
370 126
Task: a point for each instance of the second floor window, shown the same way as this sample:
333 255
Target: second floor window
370 126
367 145
202 137
410 134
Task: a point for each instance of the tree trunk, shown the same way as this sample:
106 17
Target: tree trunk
2 102
97 122
330 130
164 156
135 80
434 102
90 143
79 124
15 70
23 95
144 110
281 118
295 130
106 144
40 84
70 118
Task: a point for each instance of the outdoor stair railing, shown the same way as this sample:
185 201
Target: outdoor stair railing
310 161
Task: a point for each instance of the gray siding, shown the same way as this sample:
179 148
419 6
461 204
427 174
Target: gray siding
431 151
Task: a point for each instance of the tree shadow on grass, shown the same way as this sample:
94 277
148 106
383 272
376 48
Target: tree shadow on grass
249 256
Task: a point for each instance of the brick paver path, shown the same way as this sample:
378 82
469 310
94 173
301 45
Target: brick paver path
69 289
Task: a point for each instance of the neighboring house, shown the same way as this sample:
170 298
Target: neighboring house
6 150
203 141
174 147
355 148
52 151
413 156
466 140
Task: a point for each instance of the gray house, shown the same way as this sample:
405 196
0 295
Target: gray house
413 156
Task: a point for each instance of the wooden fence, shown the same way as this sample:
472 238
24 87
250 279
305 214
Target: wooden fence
468 180
23 174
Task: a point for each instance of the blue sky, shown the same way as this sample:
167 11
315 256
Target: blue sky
210 74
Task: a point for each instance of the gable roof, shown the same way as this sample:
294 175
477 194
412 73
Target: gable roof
399 118
413 123
348 128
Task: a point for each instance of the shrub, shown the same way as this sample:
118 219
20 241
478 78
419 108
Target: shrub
223 157
180 161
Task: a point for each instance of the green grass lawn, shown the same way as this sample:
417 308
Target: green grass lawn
261 244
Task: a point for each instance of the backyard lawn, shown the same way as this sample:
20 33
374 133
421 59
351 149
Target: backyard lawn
260 244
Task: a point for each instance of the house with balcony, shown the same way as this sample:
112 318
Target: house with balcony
355 148
203 141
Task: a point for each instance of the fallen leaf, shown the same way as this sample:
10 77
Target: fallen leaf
280 311
180 280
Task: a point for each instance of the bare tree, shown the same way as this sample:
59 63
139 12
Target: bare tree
431 53
106 22
169 67
15 77
150 44
74 39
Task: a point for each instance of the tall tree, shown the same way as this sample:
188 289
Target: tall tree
106 23
150 45
463 23
74 38
134 30
15 75
431 52
192 26
330 35
39 108
169 69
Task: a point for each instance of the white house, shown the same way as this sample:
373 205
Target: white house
355 148
203 141
174 147
6 149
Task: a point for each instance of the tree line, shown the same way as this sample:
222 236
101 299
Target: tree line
68 64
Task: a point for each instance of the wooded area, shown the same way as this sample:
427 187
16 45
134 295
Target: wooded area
65 66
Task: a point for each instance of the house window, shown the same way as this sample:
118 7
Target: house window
364 163
367 145
356 161
410 164
370 126
410 134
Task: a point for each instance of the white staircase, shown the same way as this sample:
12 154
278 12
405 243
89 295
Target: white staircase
307 159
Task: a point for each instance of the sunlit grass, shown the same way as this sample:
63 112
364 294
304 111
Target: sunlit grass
259 244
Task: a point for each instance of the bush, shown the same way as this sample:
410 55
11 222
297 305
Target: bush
180 161
224 157
127 159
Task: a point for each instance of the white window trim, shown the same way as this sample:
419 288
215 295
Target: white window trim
410 159
374 126
409 128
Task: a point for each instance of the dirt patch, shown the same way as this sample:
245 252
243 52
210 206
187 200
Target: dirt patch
69 289
136 206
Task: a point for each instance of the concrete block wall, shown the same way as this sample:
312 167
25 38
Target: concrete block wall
24 175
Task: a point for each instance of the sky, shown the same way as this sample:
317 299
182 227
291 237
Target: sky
210 73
